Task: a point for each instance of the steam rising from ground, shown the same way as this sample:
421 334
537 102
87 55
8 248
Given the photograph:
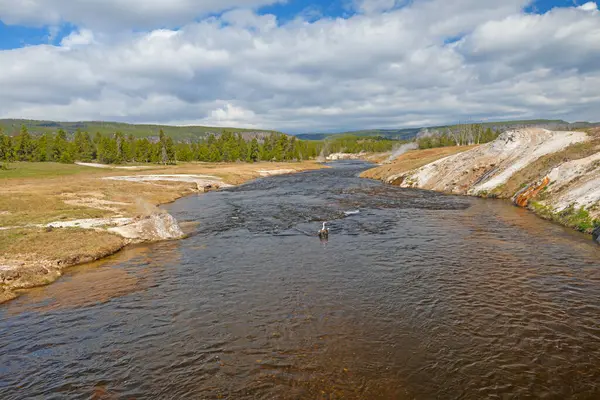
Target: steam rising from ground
401 150
152 224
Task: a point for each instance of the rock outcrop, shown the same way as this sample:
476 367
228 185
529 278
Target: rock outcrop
345 156
480 170
576 183
557 174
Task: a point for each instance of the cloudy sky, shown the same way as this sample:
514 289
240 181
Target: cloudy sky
299 65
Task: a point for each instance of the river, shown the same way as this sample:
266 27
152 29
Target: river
416 295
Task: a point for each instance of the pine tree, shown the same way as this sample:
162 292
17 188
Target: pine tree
266 153
95 143
293 153
129 148
143 150
280 147
83 146
59 145
242 148
68 155
42 148
6 148
230 147
24 145
253 151
214 154
202 153
162 140
119 148
107 150
211 140
184 152
156 152
170 150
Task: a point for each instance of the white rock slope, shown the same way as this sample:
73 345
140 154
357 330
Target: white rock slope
576 183
488 166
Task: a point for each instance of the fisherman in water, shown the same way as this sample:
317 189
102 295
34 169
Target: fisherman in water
324 232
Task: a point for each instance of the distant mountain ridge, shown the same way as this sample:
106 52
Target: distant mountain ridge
178 133
395 134
193 133
411 133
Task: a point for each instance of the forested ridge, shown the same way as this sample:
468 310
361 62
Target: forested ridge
178 133
118 148
357 144
229 146
458 135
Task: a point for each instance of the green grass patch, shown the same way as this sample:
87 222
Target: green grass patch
573 217
20 170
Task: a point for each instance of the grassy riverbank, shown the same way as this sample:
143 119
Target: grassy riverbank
37 194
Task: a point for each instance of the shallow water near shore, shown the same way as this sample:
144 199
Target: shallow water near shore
416 295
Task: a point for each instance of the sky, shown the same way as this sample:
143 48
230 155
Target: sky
300 65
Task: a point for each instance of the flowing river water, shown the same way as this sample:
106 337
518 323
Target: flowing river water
416 295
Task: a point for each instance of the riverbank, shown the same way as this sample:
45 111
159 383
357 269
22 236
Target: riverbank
363 155
258 306
54 216
554 174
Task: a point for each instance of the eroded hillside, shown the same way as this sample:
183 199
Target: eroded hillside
555 173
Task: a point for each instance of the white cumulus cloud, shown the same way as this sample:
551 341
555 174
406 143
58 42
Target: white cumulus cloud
103 14
589 6
428 62
78 38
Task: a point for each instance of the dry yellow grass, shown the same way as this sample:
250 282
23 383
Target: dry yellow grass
64 246
44 198
412 160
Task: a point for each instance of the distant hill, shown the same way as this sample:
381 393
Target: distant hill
395 134
192 133
411 133
178 133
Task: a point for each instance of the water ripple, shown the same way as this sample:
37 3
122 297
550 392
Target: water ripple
419 295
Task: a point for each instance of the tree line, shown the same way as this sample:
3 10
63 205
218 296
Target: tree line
357 144
227 147
460 135
118 148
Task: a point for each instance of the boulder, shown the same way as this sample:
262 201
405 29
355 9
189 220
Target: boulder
596 234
